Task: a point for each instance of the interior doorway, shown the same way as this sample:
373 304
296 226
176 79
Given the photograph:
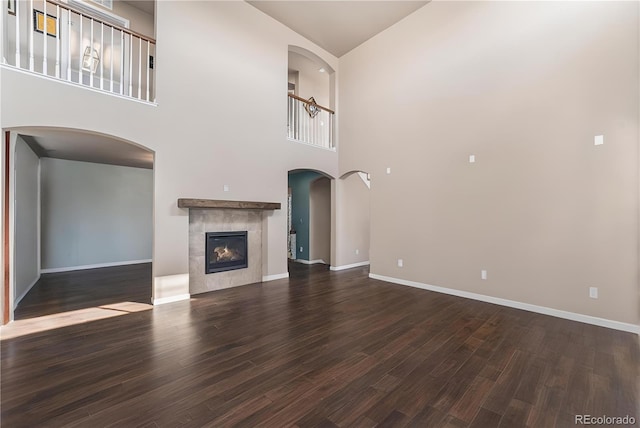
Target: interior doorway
80 223
309 217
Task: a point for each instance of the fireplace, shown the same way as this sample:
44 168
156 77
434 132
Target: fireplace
225 251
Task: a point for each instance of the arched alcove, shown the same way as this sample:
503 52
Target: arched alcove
308 75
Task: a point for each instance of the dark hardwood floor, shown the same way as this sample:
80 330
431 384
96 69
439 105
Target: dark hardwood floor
68 291
320 349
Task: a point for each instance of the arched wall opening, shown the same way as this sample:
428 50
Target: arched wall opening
308 75
309 217
352 220
80 203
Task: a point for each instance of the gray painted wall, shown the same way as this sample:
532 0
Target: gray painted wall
26 215
299 183
320 220
95 213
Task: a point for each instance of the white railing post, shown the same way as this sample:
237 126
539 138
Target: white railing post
130 65
306 123
31 58
303 127
289 117
101 61
111 66
80 50
45 34
58 41
122 63
69 46
147 62
91 73
139 68
294 127
18 12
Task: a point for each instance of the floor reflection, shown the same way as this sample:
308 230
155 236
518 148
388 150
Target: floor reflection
65 319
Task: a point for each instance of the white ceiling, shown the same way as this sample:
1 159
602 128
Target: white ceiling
79 146
338 26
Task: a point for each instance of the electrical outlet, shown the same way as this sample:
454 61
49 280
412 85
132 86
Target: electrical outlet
483 274
472 158
357 251
593 292
400 263
301 250
598 140
388 170
225 187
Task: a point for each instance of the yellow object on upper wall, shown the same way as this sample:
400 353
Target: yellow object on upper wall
38 23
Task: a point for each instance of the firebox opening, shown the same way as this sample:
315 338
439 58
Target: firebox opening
226 251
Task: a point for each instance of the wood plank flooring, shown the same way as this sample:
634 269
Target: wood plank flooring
322 349
69 291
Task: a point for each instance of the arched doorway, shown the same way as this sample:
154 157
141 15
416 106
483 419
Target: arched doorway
80 223
309 217
353 223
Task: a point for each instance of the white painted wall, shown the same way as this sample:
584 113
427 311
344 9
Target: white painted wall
95 214
218 121
27 255
525 87
139 21
311 82
354 223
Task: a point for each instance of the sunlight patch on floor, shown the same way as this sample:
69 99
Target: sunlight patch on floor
65 319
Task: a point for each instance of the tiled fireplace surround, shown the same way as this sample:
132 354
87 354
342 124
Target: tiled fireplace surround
213 216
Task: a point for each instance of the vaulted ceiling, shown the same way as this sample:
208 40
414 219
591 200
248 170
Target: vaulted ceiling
338 26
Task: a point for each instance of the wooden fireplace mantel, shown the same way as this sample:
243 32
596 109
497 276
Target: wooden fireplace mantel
229 205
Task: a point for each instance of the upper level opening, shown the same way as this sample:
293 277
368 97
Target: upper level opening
105 45
311 97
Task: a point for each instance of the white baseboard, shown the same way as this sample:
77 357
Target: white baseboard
268 278
19 298
170 299
95 266
587 319
310 262
351 266
175 287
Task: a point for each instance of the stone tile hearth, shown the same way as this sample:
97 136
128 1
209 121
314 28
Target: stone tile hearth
223 220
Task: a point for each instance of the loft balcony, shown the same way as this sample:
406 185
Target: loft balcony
80 44
310 123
